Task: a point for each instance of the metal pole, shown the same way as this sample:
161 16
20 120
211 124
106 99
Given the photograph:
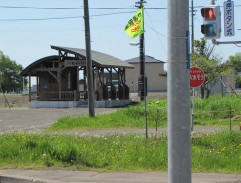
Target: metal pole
143 72
142 85
225 42
179 137
230 117
142 62
221 85
192 28
192 127
142 67
89 61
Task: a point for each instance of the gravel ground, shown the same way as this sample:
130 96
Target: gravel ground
37 120
151 131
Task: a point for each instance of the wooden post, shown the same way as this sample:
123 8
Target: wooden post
89 67
78 92
29 87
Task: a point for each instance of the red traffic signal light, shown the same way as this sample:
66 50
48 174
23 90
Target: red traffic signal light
208 13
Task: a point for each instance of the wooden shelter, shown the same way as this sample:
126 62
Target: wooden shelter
57 76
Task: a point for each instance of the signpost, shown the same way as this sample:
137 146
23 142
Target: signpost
74 63
228 18
197 78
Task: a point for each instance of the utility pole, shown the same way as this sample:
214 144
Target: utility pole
142 78
91 101
179 136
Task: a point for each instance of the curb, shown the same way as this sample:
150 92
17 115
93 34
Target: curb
18 179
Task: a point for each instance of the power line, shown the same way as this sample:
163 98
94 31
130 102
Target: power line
81 7
59 8
220 6
60 18
154 30
36 19
153 27
26 7
126 8
76 17
105 14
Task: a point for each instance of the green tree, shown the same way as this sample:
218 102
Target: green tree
212 66
10 78
235 62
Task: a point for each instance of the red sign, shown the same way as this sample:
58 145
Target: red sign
196 77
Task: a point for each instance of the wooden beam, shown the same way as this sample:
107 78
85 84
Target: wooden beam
49 71
44 69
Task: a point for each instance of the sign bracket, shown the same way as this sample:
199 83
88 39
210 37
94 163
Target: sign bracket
225 42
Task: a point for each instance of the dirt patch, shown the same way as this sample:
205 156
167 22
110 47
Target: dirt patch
150 95
14 100
236 118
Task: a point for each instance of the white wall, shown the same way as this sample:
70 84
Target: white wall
155 81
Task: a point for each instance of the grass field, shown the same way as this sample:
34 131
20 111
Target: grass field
216 152
220 152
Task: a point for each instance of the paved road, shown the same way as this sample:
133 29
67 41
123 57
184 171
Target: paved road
62 176
20 119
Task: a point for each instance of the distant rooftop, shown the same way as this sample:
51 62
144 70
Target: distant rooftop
148 59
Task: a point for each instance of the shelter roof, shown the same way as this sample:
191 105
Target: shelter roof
98 58
36 63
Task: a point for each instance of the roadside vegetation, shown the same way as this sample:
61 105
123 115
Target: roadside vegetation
220 152
212 152
129 117
218 110
215 110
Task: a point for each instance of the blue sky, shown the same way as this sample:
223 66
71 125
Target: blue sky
26 41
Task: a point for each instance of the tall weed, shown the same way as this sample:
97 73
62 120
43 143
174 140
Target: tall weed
215 110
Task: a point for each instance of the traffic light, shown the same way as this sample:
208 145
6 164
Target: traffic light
211 27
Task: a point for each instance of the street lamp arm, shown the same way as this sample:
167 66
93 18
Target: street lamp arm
134 44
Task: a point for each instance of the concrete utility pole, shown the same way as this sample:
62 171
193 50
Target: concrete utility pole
179 137
142 78
91 100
